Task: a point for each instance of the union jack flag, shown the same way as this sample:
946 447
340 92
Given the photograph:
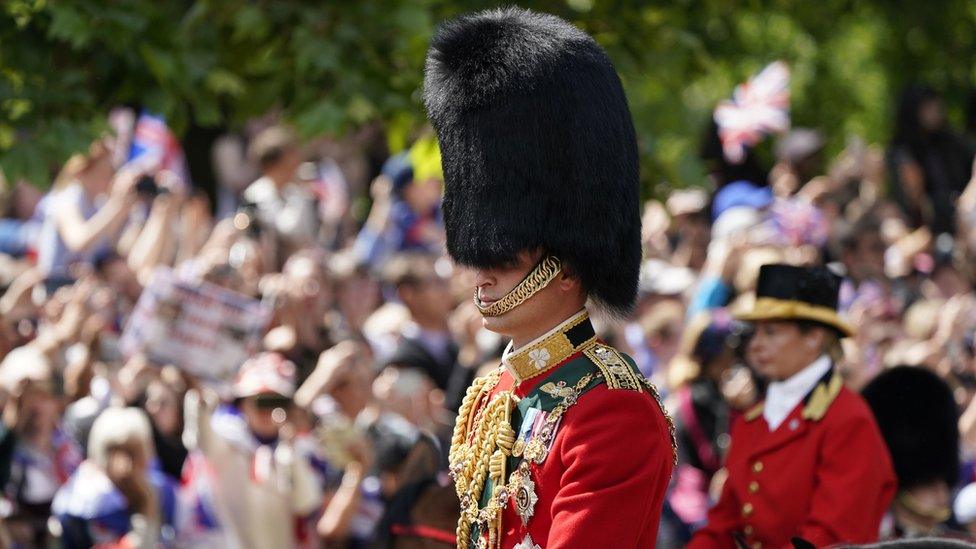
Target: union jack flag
760 106
799 223
154 147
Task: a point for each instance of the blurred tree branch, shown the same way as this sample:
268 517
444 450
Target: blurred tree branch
333 66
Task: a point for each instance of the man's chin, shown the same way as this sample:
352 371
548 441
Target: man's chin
497 324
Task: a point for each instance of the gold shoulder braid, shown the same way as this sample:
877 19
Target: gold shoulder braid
481 443
484 440
479 451
537 279
755 412
618 374
822 397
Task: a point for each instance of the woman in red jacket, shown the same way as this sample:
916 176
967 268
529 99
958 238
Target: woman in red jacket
809 461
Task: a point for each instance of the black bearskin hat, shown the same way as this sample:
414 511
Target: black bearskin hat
918 418
538 148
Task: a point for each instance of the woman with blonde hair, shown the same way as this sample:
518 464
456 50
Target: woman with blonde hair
117 497
84 211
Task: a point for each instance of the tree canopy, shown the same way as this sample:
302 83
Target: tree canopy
331 66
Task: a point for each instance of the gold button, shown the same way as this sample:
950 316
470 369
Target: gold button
748 530
753 487
757 467
746 509
757 545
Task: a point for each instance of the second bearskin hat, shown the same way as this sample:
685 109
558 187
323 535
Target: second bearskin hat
918 418
538 148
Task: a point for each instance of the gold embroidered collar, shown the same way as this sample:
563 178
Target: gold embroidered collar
551 349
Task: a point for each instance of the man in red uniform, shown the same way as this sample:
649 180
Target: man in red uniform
809 461
565 444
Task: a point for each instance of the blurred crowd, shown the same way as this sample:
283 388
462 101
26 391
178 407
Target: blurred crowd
335 431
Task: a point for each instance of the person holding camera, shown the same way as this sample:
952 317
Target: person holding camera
117 497
276 201
262 487
85 211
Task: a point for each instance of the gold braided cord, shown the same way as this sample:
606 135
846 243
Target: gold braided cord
476 468
539 278
480 435
464 420
667 417
480 448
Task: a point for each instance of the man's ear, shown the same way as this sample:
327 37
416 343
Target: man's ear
568 280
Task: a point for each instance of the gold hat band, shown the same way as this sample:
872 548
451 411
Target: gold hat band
770 308
540 277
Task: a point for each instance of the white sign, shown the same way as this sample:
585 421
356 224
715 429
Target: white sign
199 327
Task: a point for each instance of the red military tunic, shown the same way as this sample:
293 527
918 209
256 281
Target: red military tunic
824 475
603 480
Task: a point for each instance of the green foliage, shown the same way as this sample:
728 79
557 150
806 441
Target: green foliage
330 66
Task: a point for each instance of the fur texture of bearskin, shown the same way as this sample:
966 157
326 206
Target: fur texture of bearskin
538 148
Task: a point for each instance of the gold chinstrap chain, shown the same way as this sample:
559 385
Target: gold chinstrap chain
540 277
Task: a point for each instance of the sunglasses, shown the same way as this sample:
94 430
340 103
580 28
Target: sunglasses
270 402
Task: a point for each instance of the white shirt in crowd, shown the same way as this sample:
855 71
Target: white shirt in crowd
292 210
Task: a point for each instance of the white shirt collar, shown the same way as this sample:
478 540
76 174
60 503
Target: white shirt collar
783 396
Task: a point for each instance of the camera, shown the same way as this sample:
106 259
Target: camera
246 220
148 188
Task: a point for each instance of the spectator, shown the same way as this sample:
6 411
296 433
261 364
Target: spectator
863 252
284 206
799 154
426 342
701 416
18 225
357 294
929 162
75 228
405 216
117 497
662 327
263 487
163 405
41 455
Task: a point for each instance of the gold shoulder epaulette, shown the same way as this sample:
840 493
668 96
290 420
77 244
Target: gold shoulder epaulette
616 371
823 396
618 374
754 412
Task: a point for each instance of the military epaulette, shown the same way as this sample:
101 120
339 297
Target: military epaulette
617 373
754 412
822 396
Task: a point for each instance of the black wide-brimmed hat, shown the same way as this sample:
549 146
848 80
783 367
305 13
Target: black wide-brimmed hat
788 292
538 148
